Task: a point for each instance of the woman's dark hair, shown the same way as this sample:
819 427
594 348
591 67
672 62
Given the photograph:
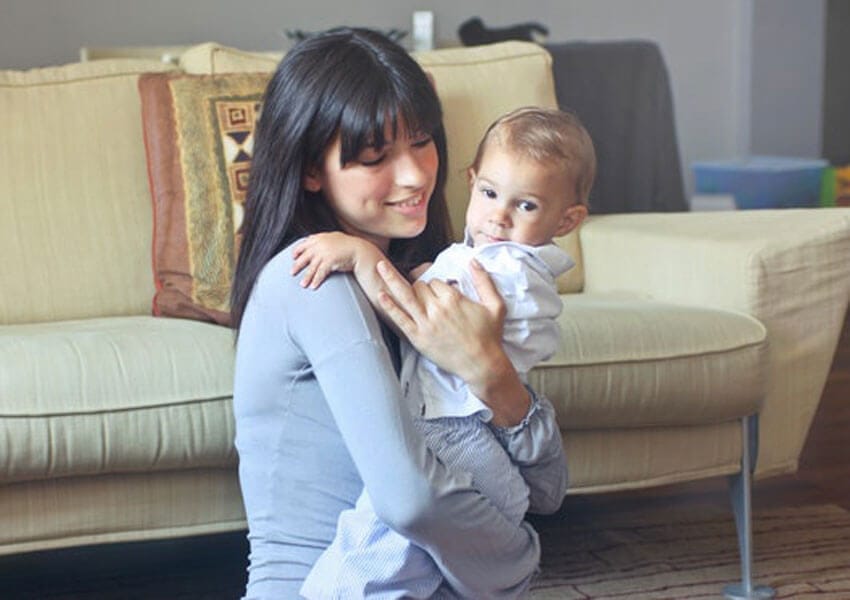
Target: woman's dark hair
350 82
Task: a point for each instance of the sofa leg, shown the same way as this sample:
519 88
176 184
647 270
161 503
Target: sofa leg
741 496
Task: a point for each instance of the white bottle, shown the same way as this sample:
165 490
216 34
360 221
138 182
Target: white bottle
423 30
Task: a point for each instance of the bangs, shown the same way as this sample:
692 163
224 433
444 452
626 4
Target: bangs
380 104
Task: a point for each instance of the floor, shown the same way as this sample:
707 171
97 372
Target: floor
214 567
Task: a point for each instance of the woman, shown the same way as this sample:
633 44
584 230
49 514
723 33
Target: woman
351 139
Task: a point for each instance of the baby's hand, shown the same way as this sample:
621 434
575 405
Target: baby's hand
416 272
321 254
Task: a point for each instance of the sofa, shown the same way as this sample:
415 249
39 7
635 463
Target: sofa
684 334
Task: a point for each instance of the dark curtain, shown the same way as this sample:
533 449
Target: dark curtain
621 92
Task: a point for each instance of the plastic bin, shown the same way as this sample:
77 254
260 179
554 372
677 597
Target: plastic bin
762 181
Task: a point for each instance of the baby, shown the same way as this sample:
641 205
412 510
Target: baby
529 183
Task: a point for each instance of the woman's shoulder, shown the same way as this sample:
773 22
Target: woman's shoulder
338 308
276 277
276 283
280 262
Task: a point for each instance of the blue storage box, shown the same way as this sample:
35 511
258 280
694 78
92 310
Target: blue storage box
762 181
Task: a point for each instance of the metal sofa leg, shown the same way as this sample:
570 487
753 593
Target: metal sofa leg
740 494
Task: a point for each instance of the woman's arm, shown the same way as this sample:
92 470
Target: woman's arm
534 443
460 335
467 337
438 320
480 553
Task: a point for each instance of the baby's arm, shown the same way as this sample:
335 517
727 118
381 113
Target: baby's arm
321 254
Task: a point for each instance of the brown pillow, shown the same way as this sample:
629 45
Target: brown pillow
198 139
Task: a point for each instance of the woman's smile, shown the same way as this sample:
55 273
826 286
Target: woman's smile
410 206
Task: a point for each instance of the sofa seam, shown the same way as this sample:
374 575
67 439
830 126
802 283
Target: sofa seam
666 357
493 59
7 85
122 409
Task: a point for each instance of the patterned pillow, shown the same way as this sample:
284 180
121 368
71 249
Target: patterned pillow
198 139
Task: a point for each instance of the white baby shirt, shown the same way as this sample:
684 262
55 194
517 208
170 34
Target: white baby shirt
525 278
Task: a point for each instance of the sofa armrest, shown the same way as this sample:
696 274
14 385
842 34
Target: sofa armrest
788 268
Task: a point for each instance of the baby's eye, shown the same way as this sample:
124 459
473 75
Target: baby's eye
488 193
526 205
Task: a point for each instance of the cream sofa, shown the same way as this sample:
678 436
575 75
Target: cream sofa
116 425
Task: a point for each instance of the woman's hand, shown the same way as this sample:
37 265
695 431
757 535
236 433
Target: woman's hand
461 336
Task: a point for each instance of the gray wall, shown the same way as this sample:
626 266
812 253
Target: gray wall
787 77
710 47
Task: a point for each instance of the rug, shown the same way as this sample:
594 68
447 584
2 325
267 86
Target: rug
800 552
588 554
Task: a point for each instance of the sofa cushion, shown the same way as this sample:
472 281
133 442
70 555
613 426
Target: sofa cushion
520 72
139 394
632 362
114 395
199 139
75 232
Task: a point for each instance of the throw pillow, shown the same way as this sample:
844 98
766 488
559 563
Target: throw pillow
198 139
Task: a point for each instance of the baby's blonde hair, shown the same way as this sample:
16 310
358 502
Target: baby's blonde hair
546 135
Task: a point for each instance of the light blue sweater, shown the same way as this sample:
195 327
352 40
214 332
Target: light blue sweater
319 413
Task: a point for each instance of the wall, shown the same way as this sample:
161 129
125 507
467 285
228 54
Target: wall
707 44
788 46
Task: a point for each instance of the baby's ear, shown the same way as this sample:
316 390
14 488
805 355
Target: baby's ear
572 218
470 176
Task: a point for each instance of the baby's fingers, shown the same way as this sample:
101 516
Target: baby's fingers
300 259
318 273
315 272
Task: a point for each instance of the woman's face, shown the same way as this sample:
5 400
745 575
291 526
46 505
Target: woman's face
381 194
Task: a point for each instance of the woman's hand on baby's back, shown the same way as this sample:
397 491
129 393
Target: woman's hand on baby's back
460 335
449 328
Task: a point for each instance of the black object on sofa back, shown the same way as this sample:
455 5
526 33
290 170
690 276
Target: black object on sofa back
621 92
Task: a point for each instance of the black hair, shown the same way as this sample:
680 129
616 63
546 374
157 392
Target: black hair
348 82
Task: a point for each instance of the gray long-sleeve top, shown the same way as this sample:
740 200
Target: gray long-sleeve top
319 413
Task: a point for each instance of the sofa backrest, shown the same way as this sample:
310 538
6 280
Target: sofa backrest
476 85
75 231
76 227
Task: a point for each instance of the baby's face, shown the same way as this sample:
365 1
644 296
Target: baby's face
517 199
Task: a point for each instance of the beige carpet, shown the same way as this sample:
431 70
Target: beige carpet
802 553
655 553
